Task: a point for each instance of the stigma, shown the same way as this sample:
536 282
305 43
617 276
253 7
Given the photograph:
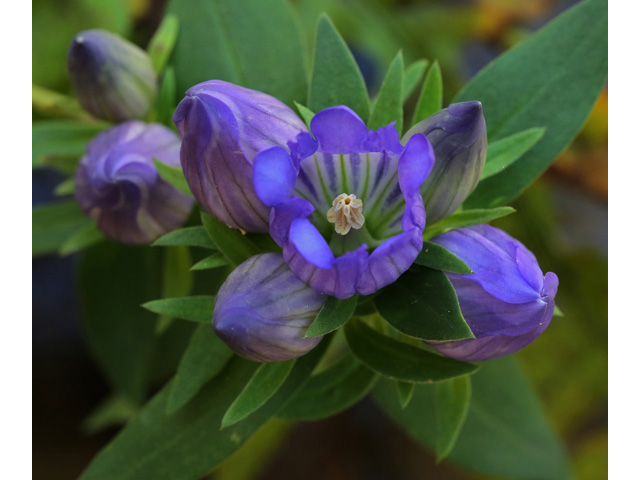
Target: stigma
346 213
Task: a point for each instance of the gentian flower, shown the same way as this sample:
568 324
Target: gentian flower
113 78
118 185
458 134
507 302
223 127
263 310
346 210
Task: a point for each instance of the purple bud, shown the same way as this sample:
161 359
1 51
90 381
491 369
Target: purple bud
113 78
118 185
458 135
223 127
263 310
507 302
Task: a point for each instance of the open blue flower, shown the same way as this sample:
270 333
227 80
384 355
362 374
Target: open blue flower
346 207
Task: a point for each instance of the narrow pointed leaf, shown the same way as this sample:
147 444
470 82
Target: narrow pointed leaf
331 391
398 360
412 76
504 152
305 114
550 80
439 258
162 43
61 138
430 100
336 78
66 187
464 218
387 107
230 242
166 102
405 392
54 223
177 280
197 308
452 405
423 304
173 175
212 261
333 314
83 238
190 236
264 383
205 356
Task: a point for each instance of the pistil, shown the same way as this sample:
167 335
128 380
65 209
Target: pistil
346 213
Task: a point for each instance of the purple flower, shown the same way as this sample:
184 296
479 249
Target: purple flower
118 185
263 310
459 138
114 79
223 127
346 210
507 302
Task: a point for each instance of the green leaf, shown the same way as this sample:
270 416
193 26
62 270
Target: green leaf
504 152
51 139
305 113
331 391
229 241
253 43
190 236
113 411
557 312
423 304
550 80
113 281
399 360
162 43
263 385
333 314
53 224
52 103
82 238
405 392
452 405
173 175
505 433
412 75
430 100
212 261
66 187
166 102
177 279
205 357
188 444
336 78
464 218
387 107
197 308
439 258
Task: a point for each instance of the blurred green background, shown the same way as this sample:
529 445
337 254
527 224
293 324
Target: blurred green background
562 218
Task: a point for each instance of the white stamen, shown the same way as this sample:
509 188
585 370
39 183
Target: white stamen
346 213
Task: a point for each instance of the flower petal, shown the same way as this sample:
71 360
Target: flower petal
274 176
310 243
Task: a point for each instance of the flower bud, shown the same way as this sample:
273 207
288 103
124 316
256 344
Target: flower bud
458 135
263 310
118 185
113 78
507 302
223 127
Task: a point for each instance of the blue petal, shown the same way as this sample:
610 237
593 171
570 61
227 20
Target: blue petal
283 214
415 164
339 130
274 176
310 243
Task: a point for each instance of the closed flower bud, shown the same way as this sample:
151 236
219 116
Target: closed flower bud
118 185
263 310
223 127
507 302
113 78
458 135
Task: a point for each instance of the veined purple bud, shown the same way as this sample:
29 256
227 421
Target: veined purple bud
118 185
263 310
507 302
223 127
113 78
458 135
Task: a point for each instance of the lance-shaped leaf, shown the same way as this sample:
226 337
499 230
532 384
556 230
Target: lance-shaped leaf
333 314
430 100
405 392
189 236
82 238
465 218
197 308
387 107
162 43
452 404
439 258
173 175
54 224
412 75
229 241
398 360
214 260
503 152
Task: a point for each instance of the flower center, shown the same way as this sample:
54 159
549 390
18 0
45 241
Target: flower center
346 213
